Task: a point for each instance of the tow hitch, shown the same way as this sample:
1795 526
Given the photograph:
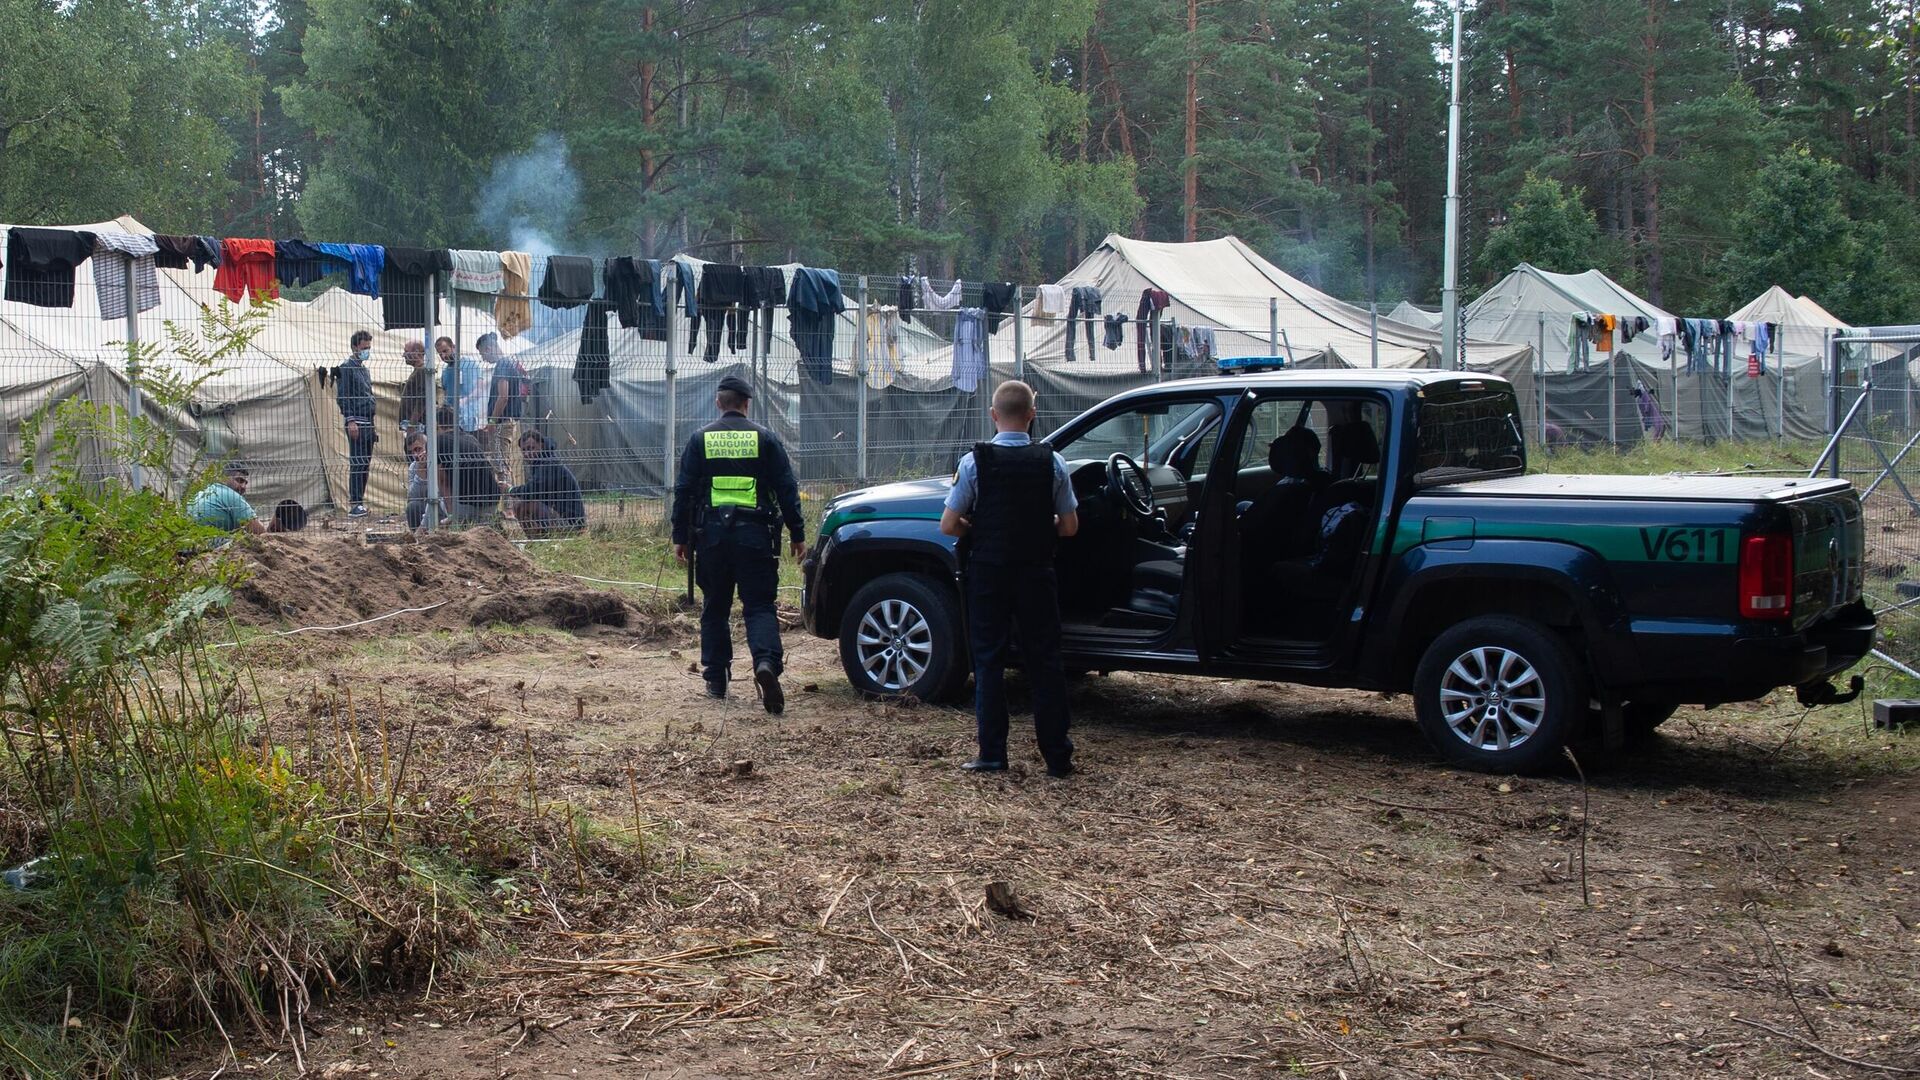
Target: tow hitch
1824 693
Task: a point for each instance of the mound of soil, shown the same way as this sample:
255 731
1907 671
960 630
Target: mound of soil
325 578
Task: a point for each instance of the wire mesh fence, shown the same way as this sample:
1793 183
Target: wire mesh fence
1875 410
891 379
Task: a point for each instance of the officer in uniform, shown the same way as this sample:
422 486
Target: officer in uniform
735 489
1011 499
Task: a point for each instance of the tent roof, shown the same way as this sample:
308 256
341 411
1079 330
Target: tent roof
1226 285
1777 305
1406 312
1531 304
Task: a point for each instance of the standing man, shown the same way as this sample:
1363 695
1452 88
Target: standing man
735 489
353 392
413 396
1011 500
508 390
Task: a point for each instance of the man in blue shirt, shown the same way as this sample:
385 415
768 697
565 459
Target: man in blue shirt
1011 501
224 506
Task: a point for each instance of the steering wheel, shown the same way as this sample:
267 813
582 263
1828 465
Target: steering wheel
1127 483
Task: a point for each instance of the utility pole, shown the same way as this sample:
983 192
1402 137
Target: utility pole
1192 179
1450 275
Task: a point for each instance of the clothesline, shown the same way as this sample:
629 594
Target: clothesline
1709 344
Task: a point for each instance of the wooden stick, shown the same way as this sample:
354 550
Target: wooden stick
1823 1051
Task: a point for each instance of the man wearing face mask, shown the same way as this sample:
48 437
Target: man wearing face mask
353 393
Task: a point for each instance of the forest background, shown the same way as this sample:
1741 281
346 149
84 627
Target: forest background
1699 150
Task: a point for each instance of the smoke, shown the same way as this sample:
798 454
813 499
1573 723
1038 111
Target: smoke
532 197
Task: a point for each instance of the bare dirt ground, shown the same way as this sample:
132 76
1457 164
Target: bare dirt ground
1245 880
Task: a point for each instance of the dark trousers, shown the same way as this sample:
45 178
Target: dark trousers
1000 598
729 556
359 456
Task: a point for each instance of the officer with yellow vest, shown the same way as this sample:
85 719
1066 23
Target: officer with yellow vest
735 490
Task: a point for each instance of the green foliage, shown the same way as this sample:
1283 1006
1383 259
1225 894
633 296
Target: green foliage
109 108
1794 231
1548 225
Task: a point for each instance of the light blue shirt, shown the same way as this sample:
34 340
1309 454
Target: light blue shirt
966 481
470 405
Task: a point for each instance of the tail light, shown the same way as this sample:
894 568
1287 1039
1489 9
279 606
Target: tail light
1766 576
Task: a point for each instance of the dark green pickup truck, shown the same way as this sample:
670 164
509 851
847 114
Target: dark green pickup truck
1377 530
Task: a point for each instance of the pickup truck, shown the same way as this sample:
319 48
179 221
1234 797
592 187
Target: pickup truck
1379 530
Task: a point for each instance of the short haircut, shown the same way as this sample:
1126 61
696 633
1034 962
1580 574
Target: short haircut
442 340
731 399
234 468
445 416
409 347
362 337
487 340
1013 398
416 437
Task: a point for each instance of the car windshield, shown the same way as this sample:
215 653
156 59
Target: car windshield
1149 434
1467 429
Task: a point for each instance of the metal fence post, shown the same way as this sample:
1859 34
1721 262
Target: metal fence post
1540 373
432 518
1673 385
860 362
1273 324
668 443
1613 401
1019 333
1373 330
133 364
1780 369
1831 367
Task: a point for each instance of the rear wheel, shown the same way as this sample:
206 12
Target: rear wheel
901 637
1499 694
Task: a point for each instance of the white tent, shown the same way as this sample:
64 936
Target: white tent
255 405
1406 312
1538 306
1804 325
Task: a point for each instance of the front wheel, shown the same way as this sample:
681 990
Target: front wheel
1499 694
901 637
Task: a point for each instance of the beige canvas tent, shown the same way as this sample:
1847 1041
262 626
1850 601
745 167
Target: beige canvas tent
255 406
1406 312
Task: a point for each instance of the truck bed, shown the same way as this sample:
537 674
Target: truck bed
1674 486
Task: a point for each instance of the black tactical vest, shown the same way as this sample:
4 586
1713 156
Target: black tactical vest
1013 505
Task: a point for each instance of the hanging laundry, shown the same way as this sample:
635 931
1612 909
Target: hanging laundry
1603 333
407 287
723 289
997 298
1116 331
296 262
1203 351
766 289
1083 304
593 363
176 250
970 349
111 253
883 345
1700 335
689 300
1653 421
246 266
1668 328
1578 338
569 282
512 311
1049 301
1152 302
628 285
814 304
365 262
935 301
1631 326
477 278
908 296
1762 339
